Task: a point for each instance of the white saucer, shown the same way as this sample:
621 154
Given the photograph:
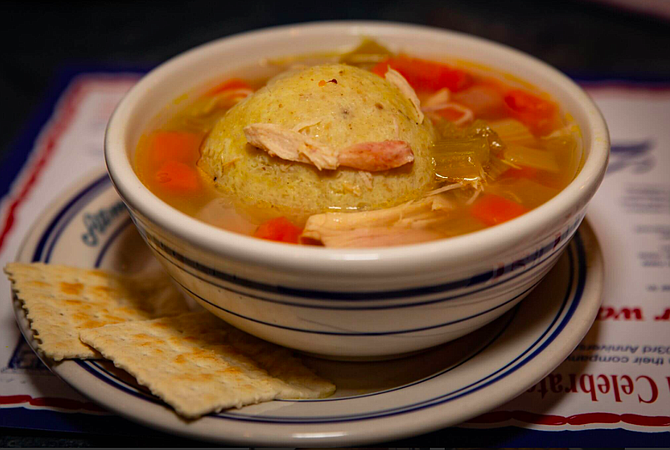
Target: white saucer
376 401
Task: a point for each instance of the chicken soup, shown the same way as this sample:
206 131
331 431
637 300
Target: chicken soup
363 149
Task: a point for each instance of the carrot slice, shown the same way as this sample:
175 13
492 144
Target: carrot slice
534 112
229 85
425 75
174 146
491 209
177 178
279 229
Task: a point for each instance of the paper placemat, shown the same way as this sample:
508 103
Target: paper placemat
618 377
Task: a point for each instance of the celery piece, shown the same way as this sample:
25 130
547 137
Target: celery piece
367 52
530 157
568 150
481 128
513 132
495 168
461 159
446 129
523 191
468 153
201 115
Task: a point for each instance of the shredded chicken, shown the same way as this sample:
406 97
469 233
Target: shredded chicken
306 124
366 178
380 237
381 227
440 203
353 188
437 101
290 145
478 190
474 197
395 78
442 100
225 99
242 92
448 187
376 218
467 114
376 156
562 132
294 146
230 162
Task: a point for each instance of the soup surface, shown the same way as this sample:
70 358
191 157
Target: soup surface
361 149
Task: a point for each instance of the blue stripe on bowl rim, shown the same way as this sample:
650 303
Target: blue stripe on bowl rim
118 231
411 304
354 333
521 266
121 228
569 304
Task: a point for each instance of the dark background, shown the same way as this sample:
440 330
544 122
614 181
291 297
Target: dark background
582 38
40 39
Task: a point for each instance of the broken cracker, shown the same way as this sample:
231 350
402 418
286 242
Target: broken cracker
199 364
60 301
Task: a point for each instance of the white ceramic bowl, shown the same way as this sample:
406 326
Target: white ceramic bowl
367 303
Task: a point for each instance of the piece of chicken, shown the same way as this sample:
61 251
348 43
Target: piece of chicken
291 145
408 223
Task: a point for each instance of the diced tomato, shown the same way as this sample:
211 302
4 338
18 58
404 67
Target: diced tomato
177 178
425 75
492 209
229 85
279 229
174 146
534 112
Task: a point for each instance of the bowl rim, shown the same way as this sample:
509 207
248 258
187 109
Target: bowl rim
414 258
